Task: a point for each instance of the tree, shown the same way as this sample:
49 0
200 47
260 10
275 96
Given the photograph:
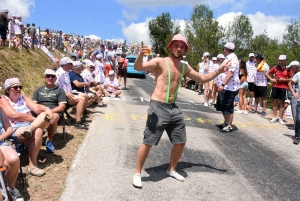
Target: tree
240 33
161 30
260 43
203 33
292 39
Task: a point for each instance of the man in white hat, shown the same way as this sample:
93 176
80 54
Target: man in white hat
282 76
54 98
4 19
251 72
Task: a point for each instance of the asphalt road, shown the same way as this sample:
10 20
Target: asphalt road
256 162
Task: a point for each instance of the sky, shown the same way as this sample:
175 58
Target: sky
128 19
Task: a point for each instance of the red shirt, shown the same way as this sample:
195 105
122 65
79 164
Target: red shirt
278 72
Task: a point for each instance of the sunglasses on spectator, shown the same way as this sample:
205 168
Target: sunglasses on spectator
17 87
50 76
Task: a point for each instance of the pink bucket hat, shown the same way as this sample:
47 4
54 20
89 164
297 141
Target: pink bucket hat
179 37
10 82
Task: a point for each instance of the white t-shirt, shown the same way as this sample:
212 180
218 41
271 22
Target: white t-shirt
296 79
210 67
201 68
234 82
114 83
260 78
17 26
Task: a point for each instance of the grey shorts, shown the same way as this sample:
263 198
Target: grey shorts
164 116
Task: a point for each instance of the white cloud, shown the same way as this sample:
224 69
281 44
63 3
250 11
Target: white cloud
130 16
274 25
21 7
93 37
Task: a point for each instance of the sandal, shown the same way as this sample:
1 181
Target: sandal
35 171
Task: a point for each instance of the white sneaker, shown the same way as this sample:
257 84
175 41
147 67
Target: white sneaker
209 102
175 175
281 122
273 120
245 112
240 111
205 104
137 180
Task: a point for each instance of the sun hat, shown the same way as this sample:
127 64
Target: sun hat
282 57
111 72
229 46
5 10
251 55
18 16
49 72
220 56
66 60
11 81
294 63
214 58
179 37
205 54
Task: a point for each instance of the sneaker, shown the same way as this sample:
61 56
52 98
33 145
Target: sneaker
296 140
263 113
221 126
273 120
205 104
227 129
27 132
253 111
15 194
137 180
245 112
102 105
175 175
240 111
281 122
49 146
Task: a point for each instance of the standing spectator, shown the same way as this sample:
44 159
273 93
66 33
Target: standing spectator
243 88
228 83
261 84
111 84
53 98
282 76
220 60
25 30
200 69
17 25
251 71
3 26
31 30
295 90
208 68
111 57
99 69
122 69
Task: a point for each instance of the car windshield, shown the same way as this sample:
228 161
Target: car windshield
131 60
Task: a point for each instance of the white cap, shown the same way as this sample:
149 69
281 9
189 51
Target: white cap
66 60
251 55
287 101
49 72
18 15
214 58
221 56
99 56
76 64
282 57
230 46
90 63
111 72
294 63
205 54
4 10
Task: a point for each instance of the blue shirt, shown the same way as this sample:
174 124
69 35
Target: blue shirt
73 77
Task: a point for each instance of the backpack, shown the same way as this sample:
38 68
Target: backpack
120 65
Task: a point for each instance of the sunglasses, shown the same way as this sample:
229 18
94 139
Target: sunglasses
50 76
17 87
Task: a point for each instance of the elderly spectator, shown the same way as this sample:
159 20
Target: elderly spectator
54 98
94 90
3 26
9 158
63 81
282 76
295 90
228 84
261 84
111 84
26 128
122 69
208 68
251 71
99 69
17 25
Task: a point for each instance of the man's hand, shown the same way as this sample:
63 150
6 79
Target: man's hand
220 88
70 96
274 80
49 112
224 67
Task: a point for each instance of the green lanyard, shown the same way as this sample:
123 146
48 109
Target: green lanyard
169 83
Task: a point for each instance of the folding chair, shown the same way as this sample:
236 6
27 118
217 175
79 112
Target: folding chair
2 184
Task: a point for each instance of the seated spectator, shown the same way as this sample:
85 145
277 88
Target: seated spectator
9 158
54 98
95 90
287 109
111 84
26 128
26 43
63 81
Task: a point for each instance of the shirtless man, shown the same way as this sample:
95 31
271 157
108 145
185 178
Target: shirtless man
163 113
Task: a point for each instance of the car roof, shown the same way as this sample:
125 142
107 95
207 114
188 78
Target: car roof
131 56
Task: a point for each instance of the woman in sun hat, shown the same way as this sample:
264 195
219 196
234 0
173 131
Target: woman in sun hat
26 128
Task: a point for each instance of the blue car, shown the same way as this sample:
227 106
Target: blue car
130 68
